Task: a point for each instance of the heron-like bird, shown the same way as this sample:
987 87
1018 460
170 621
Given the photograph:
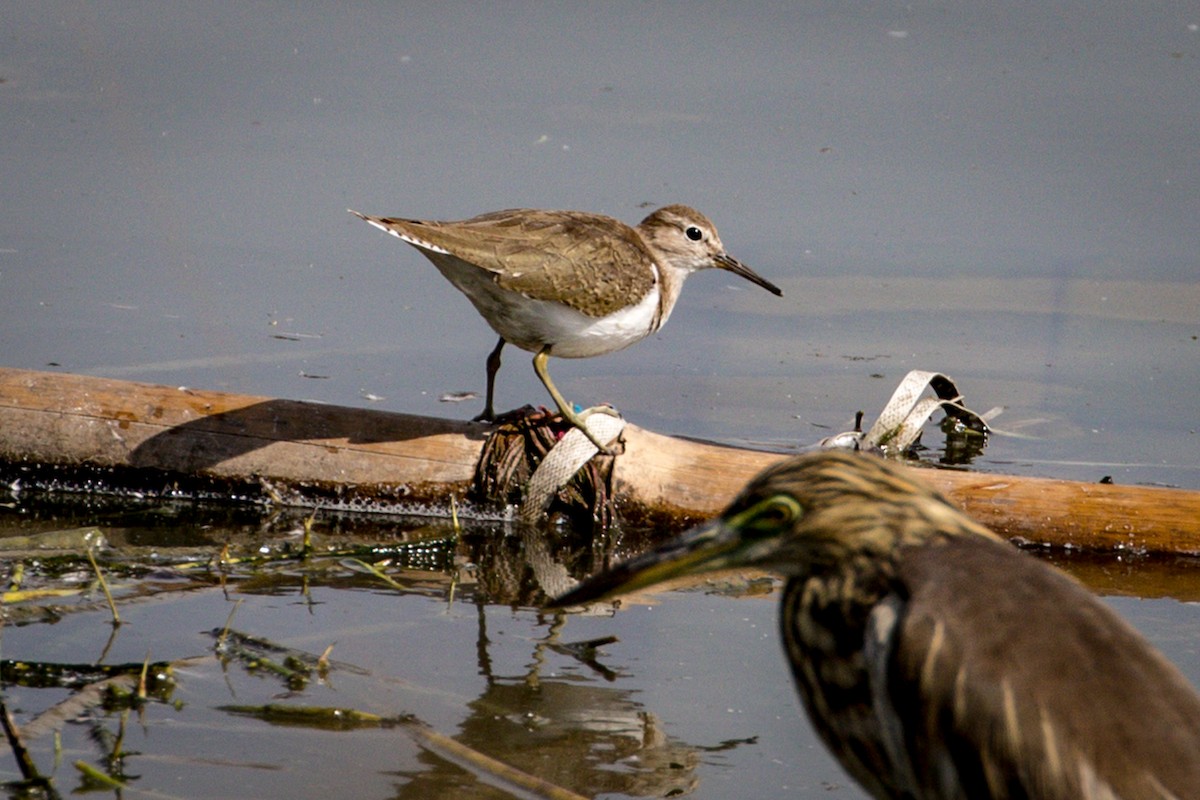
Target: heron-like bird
934 659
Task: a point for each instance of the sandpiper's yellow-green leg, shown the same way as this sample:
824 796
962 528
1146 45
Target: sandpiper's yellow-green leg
576 418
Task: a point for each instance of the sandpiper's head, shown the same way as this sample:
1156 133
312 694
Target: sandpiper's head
688 240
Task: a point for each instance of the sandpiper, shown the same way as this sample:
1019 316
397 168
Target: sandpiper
568 283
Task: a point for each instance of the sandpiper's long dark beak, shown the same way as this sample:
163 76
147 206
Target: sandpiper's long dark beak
726 261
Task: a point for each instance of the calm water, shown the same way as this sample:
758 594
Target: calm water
694 695
1007 195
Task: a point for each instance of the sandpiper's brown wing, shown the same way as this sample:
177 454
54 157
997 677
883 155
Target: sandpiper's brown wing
590 262
1117 715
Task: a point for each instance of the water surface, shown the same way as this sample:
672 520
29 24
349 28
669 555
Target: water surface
1008 195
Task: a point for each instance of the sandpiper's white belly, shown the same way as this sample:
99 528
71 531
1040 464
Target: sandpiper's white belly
575 335
532 324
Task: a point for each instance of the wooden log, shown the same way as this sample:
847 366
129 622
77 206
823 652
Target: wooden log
700 479
234 441
310 452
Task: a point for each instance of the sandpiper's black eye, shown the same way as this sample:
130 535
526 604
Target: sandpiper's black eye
694 233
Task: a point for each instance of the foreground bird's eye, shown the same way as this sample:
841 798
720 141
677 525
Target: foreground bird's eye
694 233
767 517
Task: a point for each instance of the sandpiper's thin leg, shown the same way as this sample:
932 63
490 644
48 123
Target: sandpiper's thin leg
540 362
493 366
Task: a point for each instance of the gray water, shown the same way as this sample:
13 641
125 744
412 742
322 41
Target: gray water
1006 194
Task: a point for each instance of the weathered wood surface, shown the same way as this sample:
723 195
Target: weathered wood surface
73 420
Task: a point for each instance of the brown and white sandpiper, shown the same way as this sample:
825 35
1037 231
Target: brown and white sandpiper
568 283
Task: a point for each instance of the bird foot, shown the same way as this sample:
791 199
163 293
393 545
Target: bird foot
600 409
598 430
604 427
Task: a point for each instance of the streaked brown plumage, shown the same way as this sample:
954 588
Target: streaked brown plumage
568 283
934 659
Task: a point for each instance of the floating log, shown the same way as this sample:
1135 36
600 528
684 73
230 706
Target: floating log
298 452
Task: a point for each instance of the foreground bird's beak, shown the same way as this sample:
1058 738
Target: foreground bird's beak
728 262
703 549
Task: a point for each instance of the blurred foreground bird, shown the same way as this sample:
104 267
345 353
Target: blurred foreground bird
934 659
569 284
